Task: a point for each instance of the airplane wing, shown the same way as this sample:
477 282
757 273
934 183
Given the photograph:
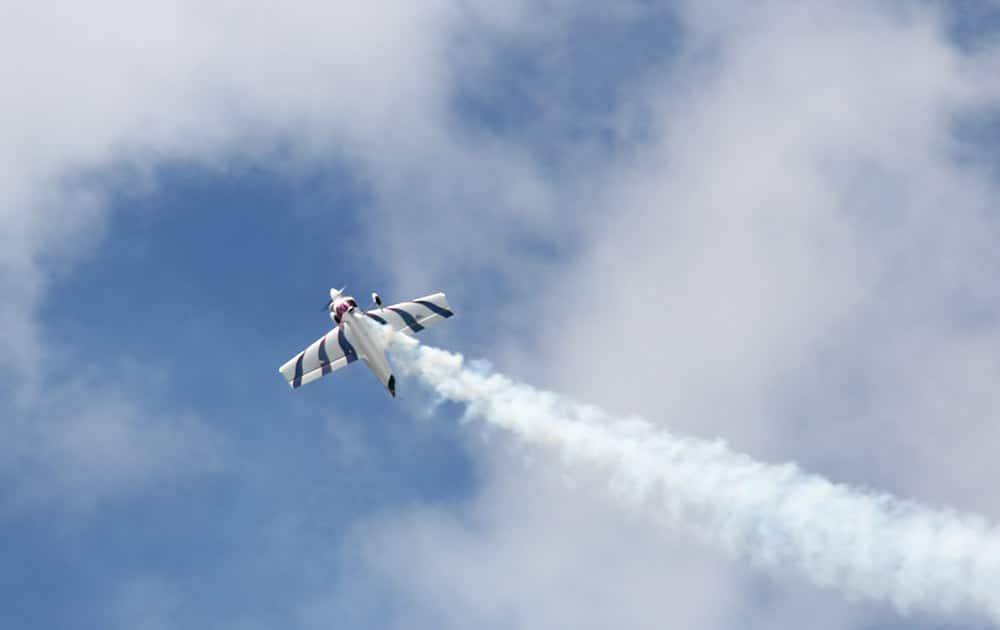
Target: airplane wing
330 352
415 315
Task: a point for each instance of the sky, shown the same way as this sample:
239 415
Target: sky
770 223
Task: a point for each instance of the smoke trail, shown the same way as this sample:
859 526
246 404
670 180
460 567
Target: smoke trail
867 545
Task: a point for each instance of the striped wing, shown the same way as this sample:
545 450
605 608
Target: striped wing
330 352
415 315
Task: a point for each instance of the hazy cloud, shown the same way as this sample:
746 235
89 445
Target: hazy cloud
788 246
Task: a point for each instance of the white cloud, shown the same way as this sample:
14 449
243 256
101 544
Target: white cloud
794 261
864 544
120 88
797 262
82 442
799 244
544 558
536 549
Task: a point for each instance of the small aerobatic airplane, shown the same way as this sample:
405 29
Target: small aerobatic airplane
354 338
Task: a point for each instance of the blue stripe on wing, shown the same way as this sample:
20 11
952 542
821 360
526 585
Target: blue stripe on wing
324 358
346 346
434 308
297 381
410 320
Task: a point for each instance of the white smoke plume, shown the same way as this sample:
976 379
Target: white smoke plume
866 544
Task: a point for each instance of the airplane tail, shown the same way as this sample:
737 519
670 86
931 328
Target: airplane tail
380 368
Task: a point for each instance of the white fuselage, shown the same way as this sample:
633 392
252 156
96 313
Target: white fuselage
364 336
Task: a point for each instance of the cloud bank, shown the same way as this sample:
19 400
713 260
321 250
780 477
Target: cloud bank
795 205
97 99
864 544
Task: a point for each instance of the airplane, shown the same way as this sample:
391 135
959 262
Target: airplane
354 338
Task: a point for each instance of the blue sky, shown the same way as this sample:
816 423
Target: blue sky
182 275
761 224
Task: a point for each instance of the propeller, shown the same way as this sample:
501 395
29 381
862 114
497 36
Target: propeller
333 295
